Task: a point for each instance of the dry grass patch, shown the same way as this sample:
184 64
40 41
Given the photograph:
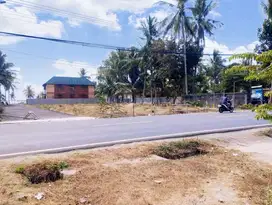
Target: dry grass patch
156 182
122 110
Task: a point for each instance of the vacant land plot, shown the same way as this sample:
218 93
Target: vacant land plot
196 172
123 110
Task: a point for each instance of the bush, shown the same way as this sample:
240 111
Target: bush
42 172
196 103
181 149
247 107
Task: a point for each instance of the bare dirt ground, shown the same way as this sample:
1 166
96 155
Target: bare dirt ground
232 173
122 110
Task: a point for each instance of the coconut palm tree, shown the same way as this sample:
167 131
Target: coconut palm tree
29 92
178 24
83 73
215 69
7 76
150 33
202 24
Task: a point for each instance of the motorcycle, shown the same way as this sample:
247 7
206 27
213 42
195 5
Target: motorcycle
224 108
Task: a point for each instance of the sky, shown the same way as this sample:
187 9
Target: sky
112 22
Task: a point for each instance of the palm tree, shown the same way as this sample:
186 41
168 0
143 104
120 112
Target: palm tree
150 33
201 23
7 76
268 9
215 70
83 73
29 92
177 24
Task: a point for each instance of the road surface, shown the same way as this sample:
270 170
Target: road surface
17 138
18 112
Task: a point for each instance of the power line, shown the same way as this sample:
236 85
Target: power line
61 12
77 65
96 45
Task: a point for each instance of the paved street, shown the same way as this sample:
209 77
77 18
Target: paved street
19 111
35 136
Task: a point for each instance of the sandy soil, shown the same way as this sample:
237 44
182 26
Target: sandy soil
122 110
131 174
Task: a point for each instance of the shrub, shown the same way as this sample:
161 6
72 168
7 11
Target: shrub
20 170
42 172
181 149
246 107
196 103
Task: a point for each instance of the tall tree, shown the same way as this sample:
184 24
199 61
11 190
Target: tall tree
83 72
7 75
261 71
177 24
150 33
265 33
29 92
202 24
214 71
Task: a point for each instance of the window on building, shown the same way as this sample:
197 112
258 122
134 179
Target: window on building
84 96
59 96
59 87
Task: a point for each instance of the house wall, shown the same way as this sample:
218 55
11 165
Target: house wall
50 91
66 92
91 91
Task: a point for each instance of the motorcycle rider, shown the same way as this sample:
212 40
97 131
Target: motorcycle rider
226 101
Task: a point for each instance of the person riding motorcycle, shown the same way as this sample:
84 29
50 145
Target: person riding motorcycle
226 101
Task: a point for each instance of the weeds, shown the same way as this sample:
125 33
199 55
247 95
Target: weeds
42 172
268 200
181 149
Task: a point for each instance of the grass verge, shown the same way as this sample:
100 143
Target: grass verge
137 179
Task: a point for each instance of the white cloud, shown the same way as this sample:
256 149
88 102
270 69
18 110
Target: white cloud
98 12
22 20
136 20
215 14
71 69
160 14
212 45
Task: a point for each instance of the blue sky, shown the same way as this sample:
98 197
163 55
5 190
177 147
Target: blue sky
115 22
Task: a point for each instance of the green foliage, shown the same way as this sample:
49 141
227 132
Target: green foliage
7 75
262 71
63 165
20 169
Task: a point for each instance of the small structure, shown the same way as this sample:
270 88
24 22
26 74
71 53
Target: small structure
69 87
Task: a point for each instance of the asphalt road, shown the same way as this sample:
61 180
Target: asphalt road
16 138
